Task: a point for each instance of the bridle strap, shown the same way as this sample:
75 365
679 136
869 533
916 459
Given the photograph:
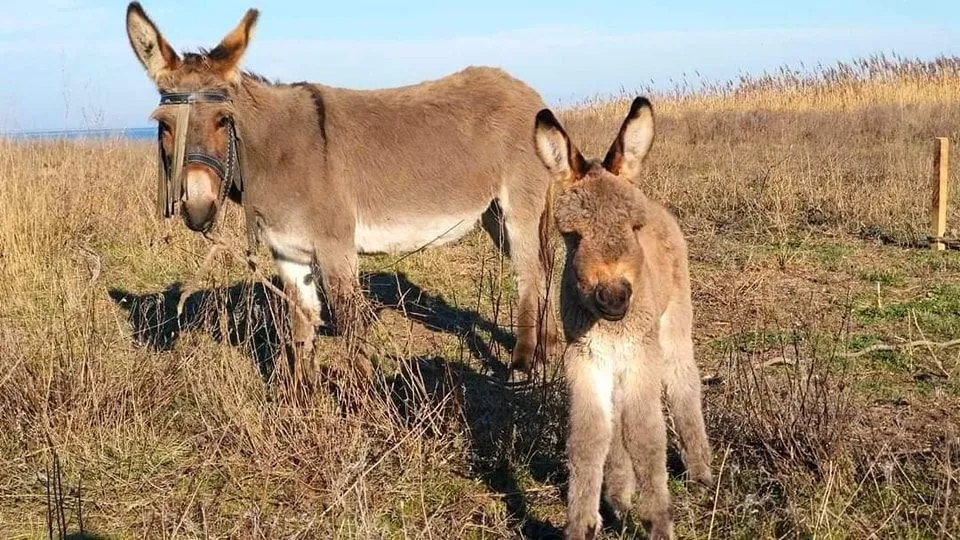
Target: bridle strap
205 159
230 170
189 98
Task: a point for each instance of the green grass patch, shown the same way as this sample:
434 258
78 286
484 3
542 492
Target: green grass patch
886 277
751 341
937 311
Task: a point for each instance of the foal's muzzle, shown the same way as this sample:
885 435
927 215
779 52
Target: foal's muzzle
612 299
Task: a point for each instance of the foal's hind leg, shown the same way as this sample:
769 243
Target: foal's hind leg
682 381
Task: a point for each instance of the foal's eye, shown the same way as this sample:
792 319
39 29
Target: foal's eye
223 121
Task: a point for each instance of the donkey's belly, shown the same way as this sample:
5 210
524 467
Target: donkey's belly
409 234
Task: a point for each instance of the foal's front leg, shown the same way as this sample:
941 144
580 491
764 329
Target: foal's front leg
591 428
645 438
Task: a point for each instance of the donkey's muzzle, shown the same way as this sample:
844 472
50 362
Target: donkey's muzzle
612 299
199 217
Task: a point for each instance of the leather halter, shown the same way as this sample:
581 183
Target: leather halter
229 170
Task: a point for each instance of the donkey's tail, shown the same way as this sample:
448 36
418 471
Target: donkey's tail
545 229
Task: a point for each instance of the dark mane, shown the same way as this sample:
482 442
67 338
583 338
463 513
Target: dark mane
259 78
202 54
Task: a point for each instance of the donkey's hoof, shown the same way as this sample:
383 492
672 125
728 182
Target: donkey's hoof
588 532
518 377
304 347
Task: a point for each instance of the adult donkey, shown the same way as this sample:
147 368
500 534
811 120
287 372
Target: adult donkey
325 173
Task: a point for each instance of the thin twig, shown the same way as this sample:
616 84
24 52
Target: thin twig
716 493
902 346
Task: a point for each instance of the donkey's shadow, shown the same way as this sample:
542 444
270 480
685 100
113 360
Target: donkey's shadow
243 314
503 424
251 316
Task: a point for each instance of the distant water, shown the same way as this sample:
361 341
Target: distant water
137 134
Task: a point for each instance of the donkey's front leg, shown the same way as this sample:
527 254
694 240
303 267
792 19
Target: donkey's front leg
591 427
301 290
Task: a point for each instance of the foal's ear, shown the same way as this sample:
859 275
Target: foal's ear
633 142
156 55
225 58
561 157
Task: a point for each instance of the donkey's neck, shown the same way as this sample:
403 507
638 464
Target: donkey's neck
266 115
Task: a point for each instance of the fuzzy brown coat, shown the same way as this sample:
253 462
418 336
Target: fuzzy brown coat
627 313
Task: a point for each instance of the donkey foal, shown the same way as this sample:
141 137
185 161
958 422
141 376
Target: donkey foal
627 313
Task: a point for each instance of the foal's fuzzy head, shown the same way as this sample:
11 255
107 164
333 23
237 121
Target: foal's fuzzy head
217 69
599 211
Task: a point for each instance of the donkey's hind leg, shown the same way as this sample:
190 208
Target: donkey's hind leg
682 381
536 323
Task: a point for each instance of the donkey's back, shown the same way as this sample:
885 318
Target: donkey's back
424 161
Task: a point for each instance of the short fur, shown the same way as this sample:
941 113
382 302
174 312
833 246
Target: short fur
627 313
330 172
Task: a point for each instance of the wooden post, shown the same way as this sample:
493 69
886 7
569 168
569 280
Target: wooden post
941 176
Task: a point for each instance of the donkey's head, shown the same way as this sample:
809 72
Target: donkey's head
599 211
195 111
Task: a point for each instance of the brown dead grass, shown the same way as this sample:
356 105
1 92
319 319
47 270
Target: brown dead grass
801 198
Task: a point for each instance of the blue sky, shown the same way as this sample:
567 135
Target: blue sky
67 64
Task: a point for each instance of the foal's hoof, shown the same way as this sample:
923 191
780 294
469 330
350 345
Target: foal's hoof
700 475
661 531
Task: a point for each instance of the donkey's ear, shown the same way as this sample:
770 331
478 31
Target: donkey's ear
225 57
561 157
633 142
156 55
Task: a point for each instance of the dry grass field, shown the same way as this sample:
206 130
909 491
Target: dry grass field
805 202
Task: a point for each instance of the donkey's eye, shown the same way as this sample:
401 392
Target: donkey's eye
223 121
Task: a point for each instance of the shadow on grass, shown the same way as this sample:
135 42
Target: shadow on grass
244 315
507 427
511 430
250 316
